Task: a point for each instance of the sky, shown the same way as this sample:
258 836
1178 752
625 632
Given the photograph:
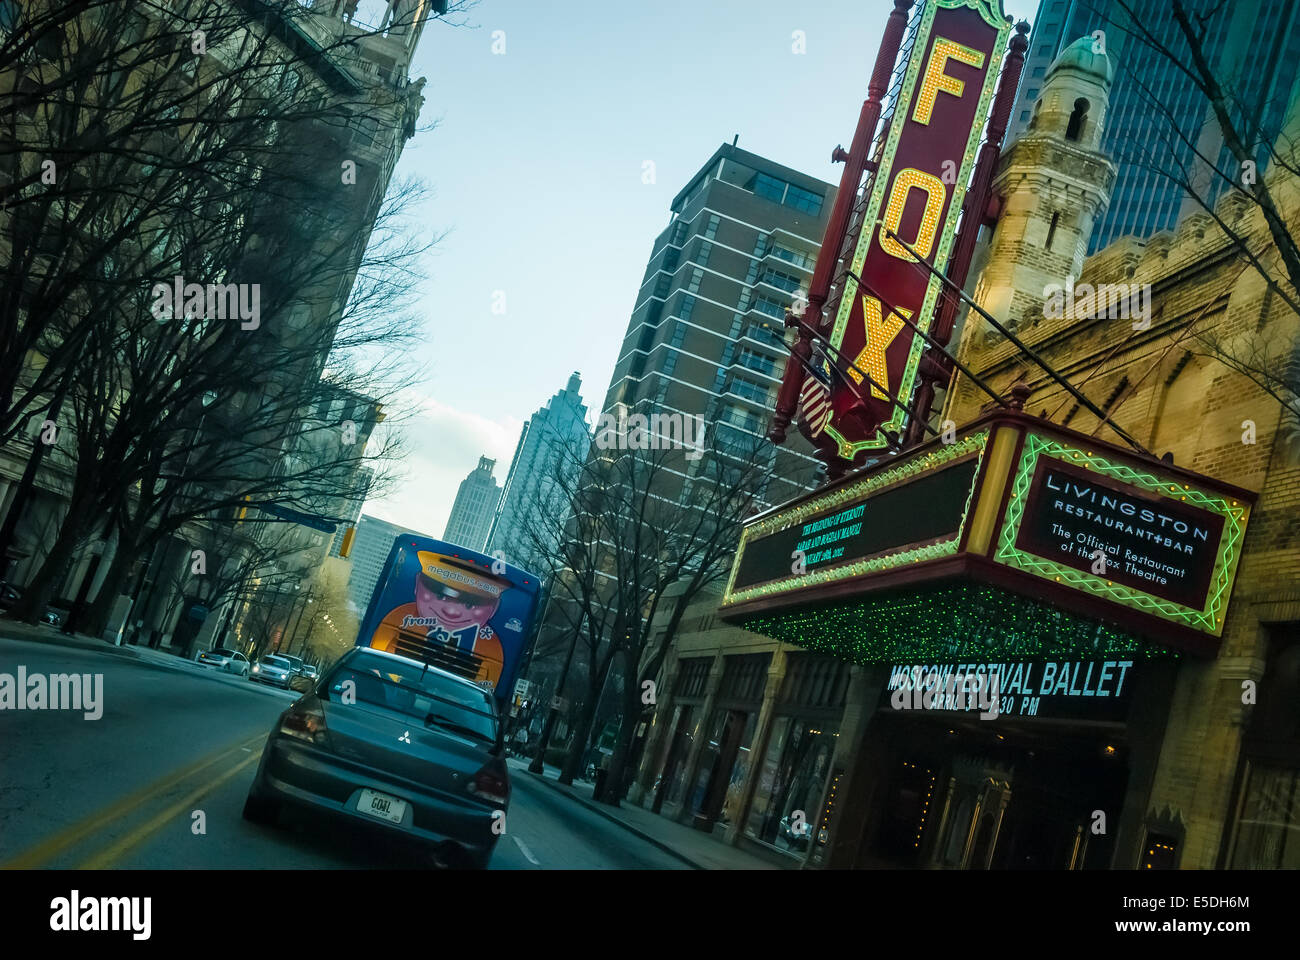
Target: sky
536 170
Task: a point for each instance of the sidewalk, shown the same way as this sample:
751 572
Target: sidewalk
41 633
702 851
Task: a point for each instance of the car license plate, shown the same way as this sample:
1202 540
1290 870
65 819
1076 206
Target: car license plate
381 805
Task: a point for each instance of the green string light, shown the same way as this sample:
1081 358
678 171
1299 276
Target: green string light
950 621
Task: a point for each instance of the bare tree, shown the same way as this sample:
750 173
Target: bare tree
196 172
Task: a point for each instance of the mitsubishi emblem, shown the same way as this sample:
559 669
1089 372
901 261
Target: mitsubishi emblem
405 737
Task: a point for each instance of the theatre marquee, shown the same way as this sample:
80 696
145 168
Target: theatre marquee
1017 504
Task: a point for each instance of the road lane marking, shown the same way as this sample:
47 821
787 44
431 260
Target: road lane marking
52 846
110 855
527 853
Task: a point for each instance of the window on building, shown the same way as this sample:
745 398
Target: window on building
1038 72
1078 119
781 280
744 387
757 361
798 258
1031 93
769 187
804 200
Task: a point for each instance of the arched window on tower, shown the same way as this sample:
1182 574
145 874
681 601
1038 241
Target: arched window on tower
1079 117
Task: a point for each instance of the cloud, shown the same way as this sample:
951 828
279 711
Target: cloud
445 444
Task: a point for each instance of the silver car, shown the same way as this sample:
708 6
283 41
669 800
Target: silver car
274 670
396 745
228 661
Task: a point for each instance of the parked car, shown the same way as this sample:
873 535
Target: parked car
10 595
229 661
396 745
273 669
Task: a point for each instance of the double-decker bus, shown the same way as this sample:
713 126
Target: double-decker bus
453 608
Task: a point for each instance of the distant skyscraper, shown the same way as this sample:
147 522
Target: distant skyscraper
369 551
475 506
555 438
1253 49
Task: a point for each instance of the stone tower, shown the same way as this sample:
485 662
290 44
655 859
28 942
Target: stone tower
1050 186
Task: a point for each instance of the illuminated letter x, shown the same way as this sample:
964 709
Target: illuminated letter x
878 334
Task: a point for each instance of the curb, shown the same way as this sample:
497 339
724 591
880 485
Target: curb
597 808
50 636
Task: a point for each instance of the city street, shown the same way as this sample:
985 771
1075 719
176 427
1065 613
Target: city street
122 791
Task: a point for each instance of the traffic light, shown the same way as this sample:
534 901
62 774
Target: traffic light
345 547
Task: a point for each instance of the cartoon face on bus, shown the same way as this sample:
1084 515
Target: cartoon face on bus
454 597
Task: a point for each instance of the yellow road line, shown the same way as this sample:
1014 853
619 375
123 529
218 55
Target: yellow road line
106 858
52 846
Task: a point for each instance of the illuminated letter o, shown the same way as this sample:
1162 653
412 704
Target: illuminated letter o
935 195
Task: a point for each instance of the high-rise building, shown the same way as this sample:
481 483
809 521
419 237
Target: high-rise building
475 506
706 339
1253 50
706 335
554 439
374 538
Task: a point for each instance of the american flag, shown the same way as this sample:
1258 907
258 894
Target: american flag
815 395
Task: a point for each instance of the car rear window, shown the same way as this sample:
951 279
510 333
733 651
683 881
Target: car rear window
417 692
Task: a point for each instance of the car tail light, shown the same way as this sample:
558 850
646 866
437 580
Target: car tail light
305 722
490 784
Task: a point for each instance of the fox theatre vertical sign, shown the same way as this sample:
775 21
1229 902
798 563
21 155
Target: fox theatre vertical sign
917 193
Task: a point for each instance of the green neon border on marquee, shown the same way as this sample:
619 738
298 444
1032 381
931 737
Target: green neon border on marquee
940 457
989 11
1208 619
